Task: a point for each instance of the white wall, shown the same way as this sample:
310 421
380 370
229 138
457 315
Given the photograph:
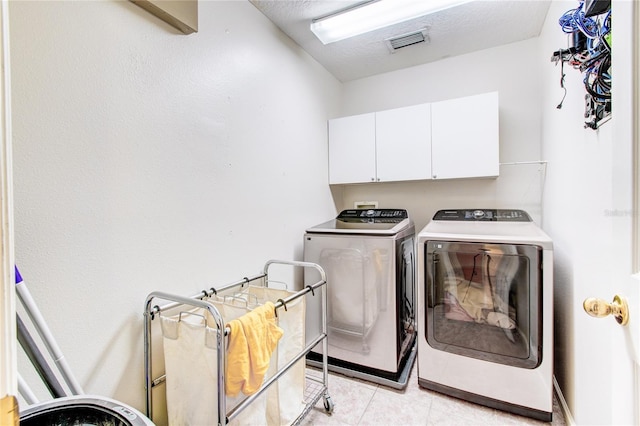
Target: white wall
513 71
569 196
149 160
579 192
146 159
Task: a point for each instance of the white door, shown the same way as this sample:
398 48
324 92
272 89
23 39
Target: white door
626 181
622 384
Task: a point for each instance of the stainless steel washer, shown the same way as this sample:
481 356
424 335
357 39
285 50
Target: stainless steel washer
368 256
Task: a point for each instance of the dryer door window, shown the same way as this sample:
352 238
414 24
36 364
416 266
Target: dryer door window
483 301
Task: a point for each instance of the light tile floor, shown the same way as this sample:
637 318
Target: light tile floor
358 402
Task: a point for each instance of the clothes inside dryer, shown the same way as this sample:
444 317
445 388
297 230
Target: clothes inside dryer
477 285
481 301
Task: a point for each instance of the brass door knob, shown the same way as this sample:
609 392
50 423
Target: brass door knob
599 308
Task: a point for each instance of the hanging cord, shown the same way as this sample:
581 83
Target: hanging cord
591 55
597 79
559 106
574 20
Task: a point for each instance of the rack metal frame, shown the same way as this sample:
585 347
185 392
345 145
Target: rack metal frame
315 387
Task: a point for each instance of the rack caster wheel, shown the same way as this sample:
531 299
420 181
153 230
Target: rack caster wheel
328 404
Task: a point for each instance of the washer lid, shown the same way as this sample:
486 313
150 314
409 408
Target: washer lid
365 221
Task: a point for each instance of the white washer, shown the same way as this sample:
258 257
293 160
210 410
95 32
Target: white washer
485 310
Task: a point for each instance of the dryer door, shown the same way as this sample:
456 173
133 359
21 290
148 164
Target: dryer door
483 301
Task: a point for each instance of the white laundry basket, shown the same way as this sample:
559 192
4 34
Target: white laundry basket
286 397
196 336
191 363
190 357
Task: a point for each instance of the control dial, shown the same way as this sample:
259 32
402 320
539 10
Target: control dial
478 214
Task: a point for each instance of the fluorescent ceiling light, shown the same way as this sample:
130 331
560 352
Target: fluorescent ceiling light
375 15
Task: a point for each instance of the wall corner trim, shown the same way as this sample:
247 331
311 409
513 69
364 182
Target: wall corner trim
180 14
568 418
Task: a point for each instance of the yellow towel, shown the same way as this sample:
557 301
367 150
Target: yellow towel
252 340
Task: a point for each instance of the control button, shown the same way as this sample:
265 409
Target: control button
478 214
370 213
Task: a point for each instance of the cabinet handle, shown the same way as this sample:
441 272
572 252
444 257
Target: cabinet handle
435 176
373 179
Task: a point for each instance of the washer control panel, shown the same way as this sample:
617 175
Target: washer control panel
391 215
491 215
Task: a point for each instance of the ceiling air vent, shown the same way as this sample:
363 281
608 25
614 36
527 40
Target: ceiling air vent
409 39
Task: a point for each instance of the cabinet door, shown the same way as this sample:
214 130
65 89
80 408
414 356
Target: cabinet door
464 137
352 149
403 143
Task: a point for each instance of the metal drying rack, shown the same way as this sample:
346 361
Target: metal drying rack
315 387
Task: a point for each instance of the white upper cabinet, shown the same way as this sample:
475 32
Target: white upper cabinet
443 140
403 148
464 137
352 149
383 146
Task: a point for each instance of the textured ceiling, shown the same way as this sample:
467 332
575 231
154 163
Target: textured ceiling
467 28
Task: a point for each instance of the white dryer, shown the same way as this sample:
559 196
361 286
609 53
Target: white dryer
485 310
